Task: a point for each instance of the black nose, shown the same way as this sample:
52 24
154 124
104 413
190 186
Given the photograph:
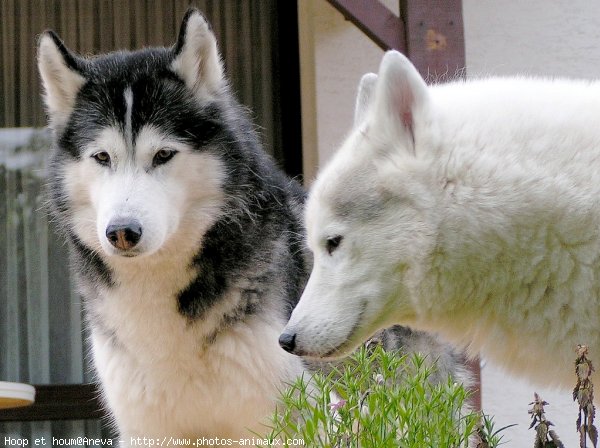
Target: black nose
287 341
124 235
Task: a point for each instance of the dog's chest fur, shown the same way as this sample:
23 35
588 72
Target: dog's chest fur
166 375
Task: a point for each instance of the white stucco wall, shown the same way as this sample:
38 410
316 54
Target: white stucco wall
508 37
534 37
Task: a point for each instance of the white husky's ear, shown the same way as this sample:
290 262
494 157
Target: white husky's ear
62 77
197 59
401 97
366 87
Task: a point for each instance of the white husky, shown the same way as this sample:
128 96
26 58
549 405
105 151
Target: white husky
471 209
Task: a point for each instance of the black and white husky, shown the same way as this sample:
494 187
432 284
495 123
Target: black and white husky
186 239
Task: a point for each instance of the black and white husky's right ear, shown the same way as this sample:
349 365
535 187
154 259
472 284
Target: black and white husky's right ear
197 59
366 87
62 77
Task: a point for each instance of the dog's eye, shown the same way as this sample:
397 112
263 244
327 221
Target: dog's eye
332 243
102 158
163 156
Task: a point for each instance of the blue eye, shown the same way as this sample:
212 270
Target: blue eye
163 156
333 243
102 158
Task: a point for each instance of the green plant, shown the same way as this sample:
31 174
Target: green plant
488 435
376 399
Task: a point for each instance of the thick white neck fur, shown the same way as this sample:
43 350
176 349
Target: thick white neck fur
517 250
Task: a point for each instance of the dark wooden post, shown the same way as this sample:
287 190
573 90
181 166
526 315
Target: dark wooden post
435 37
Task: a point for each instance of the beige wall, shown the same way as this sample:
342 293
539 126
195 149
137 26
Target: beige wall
334 56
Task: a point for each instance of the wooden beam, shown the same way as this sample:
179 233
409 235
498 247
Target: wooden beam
435 37
59 402
380 24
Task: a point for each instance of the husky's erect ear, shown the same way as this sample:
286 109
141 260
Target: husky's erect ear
197 59
366 87
401 97
62 77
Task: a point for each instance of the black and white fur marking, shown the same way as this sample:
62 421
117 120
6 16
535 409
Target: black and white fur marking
184 323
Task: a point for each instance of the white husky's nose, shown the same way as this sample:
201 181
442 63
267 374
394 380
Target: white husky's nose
287 341
124 234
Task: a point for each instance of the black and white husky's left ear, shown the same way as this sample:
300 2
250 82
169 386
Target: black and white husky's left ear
62 77
366 87
197 59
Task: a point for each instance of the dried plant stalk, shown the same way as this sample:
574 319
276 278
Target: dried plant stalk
544 436
584 395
